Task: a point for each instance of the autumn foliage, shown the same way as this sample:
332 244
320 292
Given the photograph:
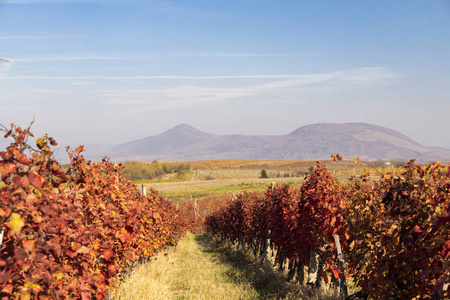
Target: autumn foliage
400 233
293 222
395 232
71 231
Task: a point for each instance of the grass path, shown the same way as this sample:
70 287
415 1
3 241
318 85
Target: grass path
201 268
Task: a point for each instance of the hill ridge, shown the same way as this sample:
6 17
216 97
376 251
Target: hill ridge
314 141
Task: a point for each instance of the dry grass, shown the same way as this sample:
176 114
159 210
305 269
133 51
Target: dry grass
185 185
181 191
151 280
205 268
186 272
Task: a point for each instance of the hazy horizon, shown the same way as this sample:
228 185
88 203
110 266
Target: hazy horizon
113 71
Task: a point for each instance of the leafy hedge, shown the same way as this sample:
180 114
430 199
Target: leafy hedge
395 231
70 231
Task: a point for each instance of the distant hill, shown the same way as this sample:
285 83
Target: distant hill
316 141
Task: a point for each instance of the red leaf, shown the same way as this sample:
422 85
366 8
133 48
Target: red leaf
7 169
80 149
85 296
8 289
112 268
76 246
35 179
23 159
28 245
336 274
107 254
21 181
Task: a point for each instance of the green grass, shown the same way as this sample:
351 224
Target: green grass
201 267
215 191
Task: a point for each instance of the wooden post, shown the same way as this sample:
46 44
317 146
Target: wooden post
343 283
1 238
312 267
143 190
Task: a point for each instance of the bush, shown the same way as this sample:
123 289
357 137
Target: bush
264 174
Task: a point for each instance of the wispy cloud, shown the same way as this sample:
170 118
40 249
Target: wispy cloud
245 54
74 58
190 94
166 77
134 58
37 37
356 75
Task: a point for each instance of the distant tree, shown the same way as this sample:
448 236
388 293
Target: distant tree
264 174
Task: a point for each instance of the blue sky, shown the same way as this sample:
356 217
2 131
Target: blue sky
111 71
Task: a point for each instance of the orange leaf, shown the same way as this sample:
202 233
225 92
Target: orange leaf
7 169
21 181
8 289
28 245
83 250
23 159
80 149
107 254
35 179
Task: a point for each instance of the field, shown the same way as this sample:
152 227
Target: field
222 177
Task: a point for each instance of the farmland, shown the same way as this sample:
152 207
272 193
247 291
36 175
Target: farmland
221 177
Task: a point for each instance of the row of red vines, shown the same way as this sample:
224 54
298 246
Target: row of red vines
70 231
395 232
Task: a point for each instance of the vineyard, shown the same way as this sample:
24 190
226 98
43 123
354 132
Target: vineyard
392 236
74 231
71 231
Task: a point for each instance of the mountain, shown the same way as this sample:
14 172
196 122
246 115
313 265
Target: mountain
316 141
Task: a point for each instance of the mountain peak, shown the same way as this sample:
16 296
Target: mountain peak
184 130
315 141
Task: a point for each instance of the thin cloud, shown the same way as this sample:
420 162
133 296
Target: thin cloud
244 54
125 58
31 37
188 95
71 58
168 77
357 75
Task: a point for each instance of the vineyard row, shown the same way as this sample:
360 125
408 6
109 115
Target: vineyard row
394 233
70 231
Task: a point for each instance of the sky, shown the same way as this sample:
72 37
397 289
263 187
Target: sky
112 71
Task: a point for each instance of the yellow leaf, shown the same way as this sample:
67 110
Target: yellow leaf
352 244
16 223
83 250
59 276
30 284
40 142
